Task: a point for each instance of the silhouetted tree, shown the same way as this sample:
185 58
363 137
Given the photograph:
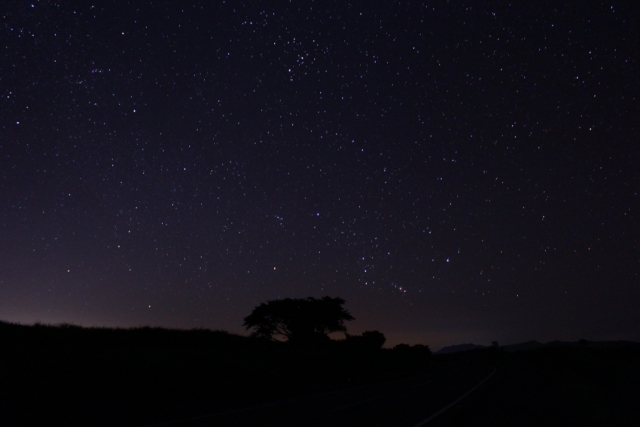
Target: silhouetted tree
298 320
375 339
369 340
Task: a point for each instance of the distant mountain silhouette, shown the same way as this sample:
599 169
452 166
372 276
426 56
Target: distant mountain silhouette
614 344
532 345
458 348
593 344
528 345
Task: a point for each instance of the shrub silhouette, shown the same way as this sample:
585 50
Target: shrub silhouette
298 320
369 340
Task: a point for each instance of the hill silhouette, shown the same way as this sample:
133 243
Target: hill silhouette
156 374
532 345
74 376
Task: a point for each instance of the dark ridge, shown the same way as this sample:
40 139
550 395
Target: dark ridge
76 375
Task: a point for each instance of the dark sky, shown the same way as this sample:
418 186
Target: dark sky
456 172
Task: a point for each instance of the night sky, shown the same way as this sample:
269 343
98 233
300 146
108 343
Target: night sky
457 172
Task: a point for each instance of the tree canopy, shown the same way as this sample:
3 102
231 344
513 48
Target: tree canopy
298 320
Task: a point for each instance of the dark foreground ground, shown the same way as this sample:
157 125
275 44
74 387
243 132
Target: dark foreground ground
100 377
557 387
